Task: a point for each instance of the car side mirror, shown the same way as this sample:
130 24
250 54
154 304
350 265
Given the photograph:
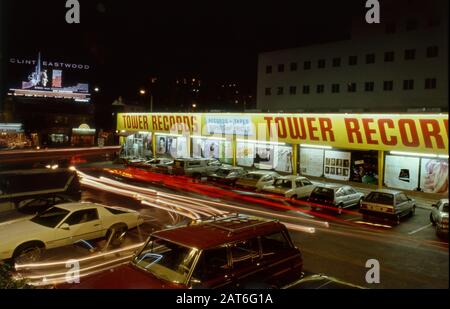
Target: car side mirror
65 226
434 205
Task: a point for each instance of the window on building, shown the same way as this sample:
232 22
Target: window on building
411 24
268 91
321 64
369 86
353 60
390 28
432 51
293 66
410 54
268 69
336 62
280 90
281 68
388 85
389 56
320 88
430 83
434 22
292 90
335 88
408 84
305 89
351 87
370 58
307 65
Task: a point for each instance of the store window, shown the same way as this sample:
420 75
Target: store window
434 175
219 149
171 146
335 164
138 145
401 172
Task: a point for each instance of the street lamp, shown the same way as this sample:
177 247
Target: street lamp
96 89
142 92
194 105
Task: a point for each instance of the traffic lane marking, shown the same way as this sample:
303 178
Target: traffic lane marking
420 229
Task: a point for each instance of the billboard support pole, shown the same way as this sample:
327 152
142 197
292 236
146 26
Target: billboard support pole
380 168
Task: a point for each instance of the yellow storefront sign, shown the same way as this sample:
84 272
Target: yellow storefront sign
421 133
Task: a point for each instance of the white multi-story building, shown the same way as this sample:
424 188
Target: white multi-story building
400 64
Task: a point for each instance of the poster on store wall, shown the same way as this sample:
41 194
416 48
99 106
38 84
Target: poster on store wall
337 165
311 162
211 149
226 152
434 176
245 154
171 147
402 172
161 145
198 147
182 151
264 157
283 159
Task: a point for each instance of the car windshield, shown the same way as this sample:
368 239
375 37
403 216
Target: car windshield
445 208
322 193
166 260
51 217
380 198
283 183
223 172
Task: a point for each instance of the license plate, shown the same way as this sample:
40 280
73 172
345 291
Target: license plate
376 208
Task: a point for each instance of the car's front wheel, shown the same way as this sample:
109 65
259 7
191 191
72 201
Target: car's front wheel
28 253
339 209
412 212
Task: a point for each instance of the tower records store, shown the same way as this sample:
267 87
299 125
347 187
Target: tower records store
404 151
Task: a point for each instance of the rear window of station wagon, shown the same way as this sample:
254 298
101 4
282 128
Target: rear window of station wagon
380 198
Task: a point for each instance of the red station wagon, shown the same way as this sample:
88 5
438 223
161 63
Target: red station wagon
231 251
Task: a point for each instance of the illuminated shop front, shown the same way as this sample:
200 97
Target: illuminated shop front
402 151
12 136
83 136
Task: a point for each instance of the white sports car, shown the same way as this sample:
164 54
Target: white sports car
63 225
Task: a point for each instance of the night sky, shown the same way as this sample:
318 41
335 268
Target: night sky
127 42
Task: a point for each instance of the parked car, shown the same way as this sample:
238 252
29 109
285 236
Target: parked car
196 168
232 251
335 196
257 179
387 204
227 174
63 225
439 217
294 187
19 188
153 163
134 162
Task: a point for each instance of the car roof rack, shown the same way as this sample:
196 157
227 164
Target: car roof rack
236 222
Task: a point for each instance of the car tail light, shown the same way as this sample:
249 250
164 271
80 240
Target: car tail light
390 209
